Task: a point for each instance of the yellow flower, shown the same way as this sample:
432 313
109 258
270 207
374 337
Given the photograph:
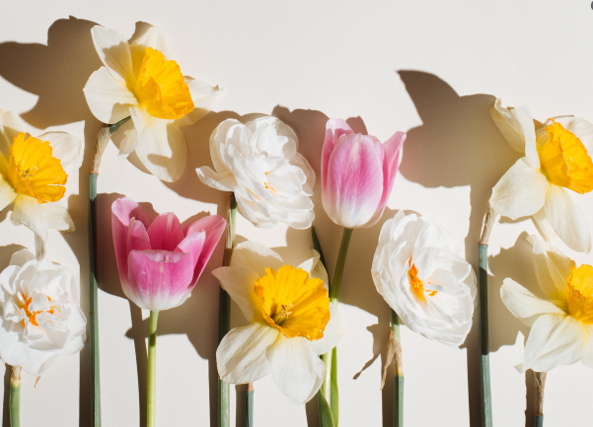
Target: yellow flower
141 81
34 174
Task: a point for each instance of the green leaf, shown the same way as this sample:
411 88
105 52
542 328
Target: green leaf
335 395
326 418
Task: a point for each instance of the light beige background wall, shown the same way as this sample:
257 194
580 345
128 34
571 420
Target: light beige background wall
430 68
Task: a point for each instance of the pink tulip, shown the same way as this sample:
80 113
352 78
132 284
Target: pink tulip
159 263
357 174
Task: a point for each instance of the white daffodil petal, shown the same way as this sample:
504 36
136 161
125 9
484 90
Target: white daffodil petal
552 268
58 217
525 120
7 194
256 256
28 212
567 219
128 144
67 148
241 355
520 192
315 268
523 304
155 38
109 100
239 283
554 340
205 98
114 52
543 225
333 333
587 359
297 371
508 126
161 146
10 126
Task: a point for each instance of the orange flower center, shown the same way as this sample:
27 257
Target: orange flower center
417 285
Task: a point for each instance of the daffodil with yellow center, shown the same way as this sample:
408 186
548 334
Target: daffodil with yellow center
561 325
557 164
34 174
140 80
292 321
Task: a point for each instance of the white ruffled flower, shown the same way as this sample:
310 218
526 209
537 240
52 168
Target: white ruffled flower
39 313
34 174
140 80
292 321
557 159
259 162
421 273
561 325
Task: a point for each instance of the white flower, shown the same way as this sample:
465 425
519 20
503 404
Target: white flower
39 313
34 173
259 162
420 272
140 80
292 321
557 159
561 325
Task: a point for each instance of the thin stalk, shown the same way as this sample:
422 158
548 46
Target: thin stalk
14 399
102 139
486 403
337 282
224 315
540 384
151 383
398 404
249 405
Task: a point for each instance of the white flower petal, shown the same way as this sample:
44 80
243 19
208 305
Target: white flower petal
67 148
155 38
10 126
114 52
520 192
315 268
588 356
128 144
161 146
219 181
552 268
525 120
239 283
333 333
205 98
28 212
109 100
523 304
58 217
508 126
567 219
256 256
7 193
543 225
241 355
554 340
297 371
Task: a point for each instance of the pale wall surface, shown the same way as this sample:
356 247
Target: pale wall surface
431 68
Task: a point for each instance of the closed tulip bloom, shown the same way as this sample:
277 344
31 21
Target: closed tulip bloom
159 263
357 174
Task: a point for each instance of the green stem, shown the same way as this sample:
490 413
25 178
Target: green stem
224 314
14 399
337 281
249 405
398 404
484 341
540 384
151 383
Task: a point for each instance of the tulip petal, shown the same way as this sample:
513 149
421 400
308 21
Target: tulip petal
214 226
333 333
7 193
10 126
334 129
567 219
114 52
205 98
67 148
138 238
109 100
239 282
241 355
297 371
192 244
390 163
165 232
161 146
159 280
354 181
508 126
554 340
552 268
256 256
588 356
520 192
523 304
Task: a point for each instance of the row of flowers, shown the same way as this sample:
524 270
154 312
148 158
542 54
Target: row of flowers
293 311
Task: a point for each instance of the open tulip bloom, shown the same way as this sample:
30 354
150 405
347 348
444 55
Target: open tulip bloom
34 173
557 164
291 321
159 264
140 80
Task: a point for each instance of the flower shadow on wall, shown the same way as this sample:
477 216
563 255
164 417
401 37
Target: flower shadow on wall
459 145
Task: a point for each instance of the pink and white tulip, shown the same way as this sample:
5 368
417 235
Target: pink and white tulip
357 174
159 263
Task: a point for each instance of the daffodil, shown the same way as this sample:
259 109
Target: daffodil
557 164
140 80
291 321
34 174
562 324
